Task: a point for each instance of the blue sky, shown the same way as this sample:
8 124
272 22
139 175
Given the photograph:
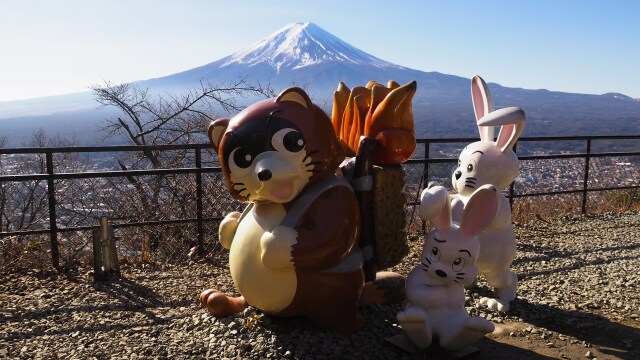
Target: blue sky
63 46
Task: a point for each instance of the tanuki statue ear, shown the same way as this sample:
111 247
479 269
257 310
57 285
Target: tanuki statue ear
216 130
296 94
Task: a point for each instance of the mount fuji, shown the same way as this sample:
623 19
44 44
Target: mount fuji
306 55
303 54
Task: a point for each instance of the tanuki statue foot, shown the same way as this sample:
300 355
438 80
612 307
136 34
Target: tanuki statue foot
219 304
387 288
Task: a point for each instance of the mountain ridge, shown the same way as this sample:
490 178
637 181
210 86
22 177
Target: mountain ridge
306 55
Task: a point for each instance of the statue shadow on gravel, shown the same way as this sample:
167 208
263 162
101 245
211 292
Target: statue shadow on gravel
123 296
592 328
299 337
549 254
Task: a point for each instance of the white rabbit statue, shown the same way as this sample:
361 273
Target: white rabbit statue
490 161
435 288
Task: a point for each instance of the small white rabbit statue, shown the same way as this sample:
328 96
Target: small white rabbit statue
435 288
490 161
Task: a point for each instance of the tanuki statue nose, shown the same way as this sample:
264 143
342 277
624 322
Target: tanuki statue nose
458 174
264 175
441 273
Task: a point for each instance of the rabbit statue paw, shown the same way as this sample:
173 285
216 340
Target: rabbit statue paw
435 288
415 324
504 288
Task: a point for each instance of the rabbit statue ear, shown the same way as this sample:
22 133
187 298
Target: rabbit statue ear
435 206
512 120
482 105
480 211
442 220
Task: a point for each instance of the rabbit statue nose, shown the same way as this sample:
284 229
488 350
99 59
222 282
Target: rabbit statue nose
264 175
458 174
441 273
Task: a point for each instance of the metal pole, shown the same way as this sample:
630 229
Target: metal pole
199 205
427 154
51 195
425 175
513 183
585 184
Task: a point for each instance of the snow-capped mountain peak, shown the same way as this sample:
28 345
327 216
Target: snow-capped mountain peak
299 45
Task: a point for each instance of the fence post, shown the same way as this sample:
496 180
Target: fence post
51 196
425 174
427 154
513 183
585 184
199 206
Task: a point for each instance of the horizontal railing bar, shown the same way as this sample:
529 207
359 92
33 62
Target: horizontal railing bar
163 222
577 138
533 157
100 174
118 148
108 148
531 138
578 155
25 232
558 192
123 225
21 177
112 173
564 192
629 187
430 161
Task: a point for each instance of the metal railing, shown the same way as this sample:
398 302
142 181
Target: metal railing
53 175
587 155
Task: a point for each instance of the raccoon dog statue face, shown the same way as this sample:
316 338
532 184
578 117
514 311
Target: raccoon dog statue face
273 149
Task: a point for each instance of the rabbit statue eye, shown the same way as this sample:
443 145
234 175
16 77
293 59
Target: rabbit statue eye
471 165
458 264
435 254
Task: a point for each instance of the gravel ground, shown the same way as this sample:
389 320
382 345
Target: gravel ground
578 298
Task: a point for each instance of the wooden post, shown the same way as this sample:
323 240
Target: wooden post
98 274
105 254
363 174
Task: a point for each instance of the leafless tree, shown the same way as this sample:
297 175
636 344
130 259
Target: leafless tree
147 118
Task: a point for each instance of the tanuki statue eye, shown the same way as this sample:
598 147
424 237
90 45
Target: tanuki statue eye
241 158
289 140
